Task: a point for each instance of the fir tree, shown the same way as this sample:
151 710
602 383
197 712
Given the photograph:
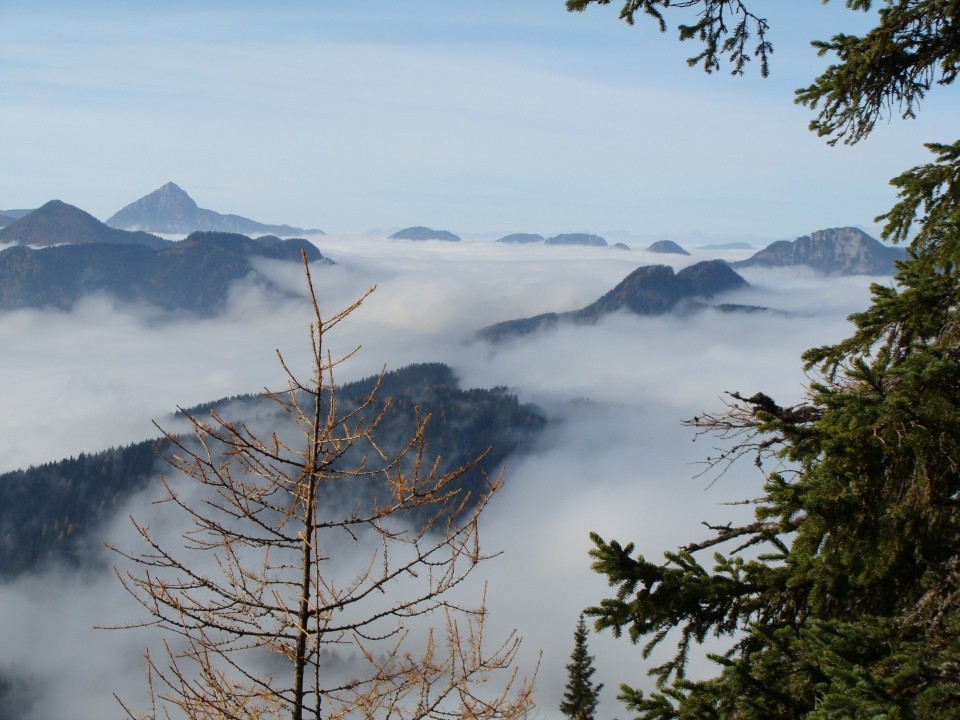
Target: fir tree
848 603
581 696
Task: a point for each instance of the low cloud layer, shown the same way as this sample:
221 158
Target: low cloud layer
616 460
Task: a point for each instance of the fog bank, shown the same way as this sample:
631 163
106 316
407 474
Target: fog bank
614 460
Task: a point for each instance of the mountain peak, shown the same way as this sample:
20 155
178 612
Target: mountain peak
667 246
169 209
171 194
648 290
166 209
656 289
58 223
835 251
54 213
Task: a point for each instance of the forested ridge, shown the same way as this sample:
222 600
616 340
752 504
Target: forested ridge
53 511
193 275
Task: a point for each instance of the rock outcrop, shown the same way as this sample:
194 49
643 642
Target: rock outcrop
837 251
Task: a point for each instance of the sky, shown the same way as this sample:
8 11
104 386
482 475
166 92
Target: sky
480 118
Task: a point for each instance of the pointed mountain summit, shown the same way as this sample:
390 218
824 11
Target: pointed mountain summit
837 251
57 223
167 206
169 209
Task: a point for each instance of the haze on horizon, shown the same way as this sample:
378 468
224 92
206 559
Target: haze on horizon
478 118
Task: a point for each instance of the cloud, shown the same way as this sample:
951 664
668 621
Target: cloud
616 459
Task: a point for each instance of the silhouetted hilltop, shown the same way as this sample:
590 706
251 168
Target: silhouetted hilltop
576 239
192 275
837 251
667 247
521 238
169 209
424 233
648 290
57 223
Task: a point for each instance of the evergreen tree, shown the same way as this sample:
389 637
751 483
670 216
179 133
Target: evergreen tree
847 604
581 696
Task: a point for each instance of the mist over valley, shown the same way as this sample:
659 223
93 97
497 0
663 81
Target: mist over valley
587 414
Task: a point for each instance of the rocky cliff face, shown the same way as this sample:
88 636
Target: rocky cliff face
837 251
170 210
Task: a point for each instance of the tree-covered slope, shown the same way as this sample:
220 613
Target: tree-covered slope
54 511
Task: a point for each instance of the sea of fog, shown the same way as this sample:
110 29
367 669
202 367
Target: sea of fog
615 460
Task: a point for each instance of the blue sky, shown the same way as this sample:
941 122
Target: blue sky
499 116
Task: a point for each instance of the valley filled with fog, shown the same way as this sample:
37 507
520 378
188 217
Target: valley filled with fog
614 458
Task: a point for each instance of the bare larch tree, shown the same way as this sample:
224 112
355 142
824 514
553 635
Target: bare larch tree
318 572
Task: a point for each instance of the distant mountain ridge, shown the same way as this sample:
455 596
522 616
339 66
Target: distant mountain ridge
521 238
835 251
648 290
576 239
192 275
169 209
57 223
728 246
